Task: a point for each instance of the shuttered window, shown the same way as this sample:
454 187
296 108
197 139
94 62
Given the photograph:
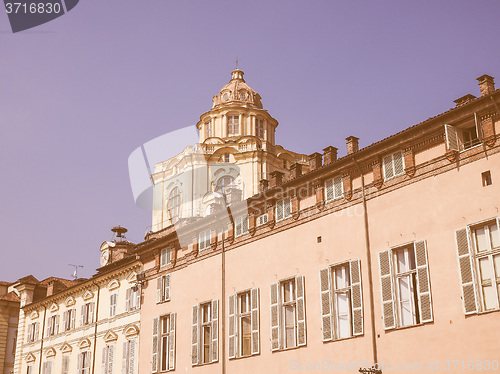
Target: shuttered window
241 226
405 286
205 333
341 301
244 324
87 314
33 332
164 343
163 288
129 357
165 257
47 367
288 322
65 365
112 304
69 319
133 298
393 165
283 209
479 264
262 219
83 363
334 189
108 353
204 240
52 325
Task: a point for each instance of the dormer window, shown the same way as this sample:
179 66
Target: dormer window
208 129
259 128
462 137
233 125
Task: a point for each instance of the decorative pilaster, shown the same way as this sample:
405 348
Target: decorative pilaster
488 129
213 240
347 184
295 201
252 223
409 156
270 215
319 191
378 180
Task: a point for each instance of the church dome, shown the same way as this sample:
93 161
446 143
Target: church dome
237 92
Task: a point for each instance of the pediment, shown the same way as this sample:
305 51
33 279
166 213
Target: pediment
131 330
66 348
34 314
70 301
30 357
113 285
84 344
54 307
110 336
87 295
132 277
51 352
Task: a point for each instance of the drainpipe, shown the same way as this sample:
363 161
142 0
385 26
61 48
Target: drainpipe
41 341
369 265
95 328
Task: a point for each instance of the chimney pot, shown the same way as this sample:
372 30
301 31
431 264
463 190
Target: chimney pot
296 170
352 144
330 154
315 161
276 178
263 185
486 84
464 100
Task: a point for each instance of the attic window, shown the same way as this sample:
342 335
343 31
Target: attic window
462 137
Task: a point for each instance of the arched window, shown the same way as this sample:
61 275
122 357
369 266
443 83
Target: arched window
174 204
223 183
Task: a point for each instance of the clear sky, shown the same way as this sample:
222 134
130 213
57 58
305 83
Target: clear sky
79 94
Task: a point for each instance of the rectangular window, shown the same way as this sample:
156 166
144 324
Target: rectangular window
288 325
486 178
33 332
87 316
65 365
52 325
244 324
163 288
204 240
259 128
241 225
112 304
283 209
29 369
341 301
69 319
165 256
226 157
128 355
462 137
208 129
233 125
205 343
405 285
262 219
334 189
479 259
108 353
47 367
163 343
133 298
84 363
393 165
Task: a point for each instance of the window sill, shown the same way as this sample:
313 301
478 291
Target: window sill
241 357
335 199
394 177
399 328
289 349
343 339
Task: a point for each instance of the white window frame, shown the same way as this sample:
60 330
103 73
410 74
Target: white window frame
204 240
260 130
240 226
113 302
236 319
107 359
262 219
129 355
208 129
65 364
454 136
199 326
33 332
174 204
53 325
334 189
47 367
69 317
233 125
84 363
394 161
283 209
87 316
163 288
165 257
133 298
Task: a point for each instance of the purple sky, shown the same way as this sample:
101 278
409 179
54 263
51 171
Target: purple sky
80 93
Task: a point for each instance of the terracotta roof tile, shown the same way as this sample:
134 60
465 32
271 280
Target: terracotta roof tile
11 296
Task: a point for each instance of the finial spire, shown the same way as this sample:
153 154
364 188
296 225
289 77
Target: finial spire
236 62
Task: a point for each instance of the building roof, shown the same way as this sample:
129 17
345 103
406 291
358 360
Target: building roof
65 282
4 283
237 92
11 296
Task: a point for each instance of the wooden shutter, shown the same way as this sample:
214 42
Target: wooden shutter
388 170
451 138
137 300
154 350
131 356
65 320
275 318
194 336
339 188
159 294
479 128
329 190
30 333
65 365
238 227
35 333
386 289
279 210
166 294
255 322
56 326
245 225
73 317
215 331
423 282
171 343
104 365
111 354
233 326
469 294
325 295
128 299
356 298
287 208
398 163
91 312
82 316
301 311
80 363
125 354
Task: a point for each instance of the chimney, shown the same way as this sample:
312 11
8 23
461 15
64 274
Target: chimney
464 100
233 195
486 84
50 288
330 154
263 185
296 170
352 144
315 161
276 178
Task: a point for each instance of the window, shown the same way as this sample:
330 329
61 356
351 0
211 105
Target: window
165 256
283 209
47 367
208 129
405 285
205 343
284 164
52 325
133 298
174 204
288 322
128 357
87 316
69 319
33 331
65 365
233 125
163 288
393 165
204 240
334 189
226 157
486 178
341 301
108 353
479 260
241 226
84 363
223 183
244 324
163 343
259 128
262 219
29 369
112 304
460 138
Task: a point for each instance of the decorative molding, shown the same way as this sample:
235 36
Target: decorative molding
54 307
70 301
131 331
30 358
88 295
34 315
114 284
451 155
51 352
66 348
84 344
132 277
110 336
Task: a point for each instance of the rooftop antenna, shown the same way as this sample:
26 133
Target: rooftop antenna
75 273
